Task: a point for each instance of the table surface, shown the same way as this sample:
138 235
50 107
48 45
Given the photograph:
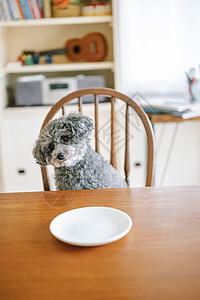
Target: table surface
158 259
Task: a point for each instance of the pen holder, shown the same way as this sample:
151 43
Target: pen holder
195 91
194 87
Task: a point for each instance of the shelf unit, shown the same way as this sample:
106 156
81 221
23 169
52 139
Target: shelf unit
109 65
42 34
58 21
15 31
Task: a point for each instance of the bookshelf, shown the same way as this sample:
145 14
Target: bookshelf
42 34
52 33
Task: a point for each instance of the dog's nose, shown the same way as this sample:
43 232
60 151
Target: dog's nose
61 156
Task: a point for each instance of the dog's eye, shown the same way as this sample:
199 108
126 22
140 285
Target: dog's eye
64 138
51 147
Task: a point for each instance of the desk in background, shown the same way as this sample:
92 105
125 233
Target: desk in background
164 118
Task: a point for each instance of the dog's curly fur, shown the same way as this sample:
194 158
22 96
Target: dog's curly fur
65 144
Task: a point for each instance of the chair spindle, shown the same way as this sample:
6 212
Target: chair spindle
80 105
113 131
96 110
127 147
45 179
63 111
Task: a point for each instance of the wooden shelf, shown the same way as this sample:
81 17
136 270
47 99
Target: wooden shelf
107 65
57 21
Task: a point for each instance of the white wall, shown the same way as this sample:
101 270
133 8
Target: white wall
159 41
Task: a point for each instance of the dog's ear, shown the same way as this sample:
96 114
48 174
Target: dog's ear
81 126
38 154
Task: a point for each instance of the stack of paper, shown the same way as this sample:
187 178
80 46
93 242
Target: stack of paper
178 108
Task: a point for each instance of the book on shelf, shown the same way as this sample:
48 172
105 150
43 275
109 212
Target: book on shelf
37 10
1 12
21 9
5 11
47 9
16 14
10 10
26 9
31 9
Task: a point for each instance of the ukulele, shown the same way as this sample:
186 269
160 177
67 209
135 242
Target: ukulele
91 48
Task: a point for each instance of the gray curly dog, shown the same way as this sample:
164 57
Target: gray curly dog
65 144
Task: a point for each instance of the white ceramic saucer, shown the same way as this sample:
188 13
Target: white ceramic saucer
91 226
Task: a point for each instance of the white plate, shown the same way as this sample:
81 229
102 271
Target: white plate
91 226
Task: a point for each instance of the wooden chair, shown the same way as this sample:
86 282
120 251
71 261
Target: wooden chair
112 94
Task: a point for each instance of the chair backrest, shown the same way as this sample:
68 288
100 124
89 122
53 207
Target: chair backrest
112 94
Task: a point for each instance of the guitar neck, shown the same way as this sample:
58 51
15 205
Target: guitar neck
53 52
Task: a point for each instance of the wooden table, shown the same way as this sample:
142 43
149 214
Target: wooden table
158 259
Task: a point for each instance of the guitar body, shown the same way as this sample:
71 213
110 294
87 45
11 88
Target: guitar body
90 48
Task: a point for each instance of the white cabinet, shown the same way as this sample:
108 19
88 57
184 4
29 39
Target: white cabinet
20 129
177 153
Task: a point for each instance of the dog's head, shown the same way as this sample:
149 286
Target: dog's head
63 141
